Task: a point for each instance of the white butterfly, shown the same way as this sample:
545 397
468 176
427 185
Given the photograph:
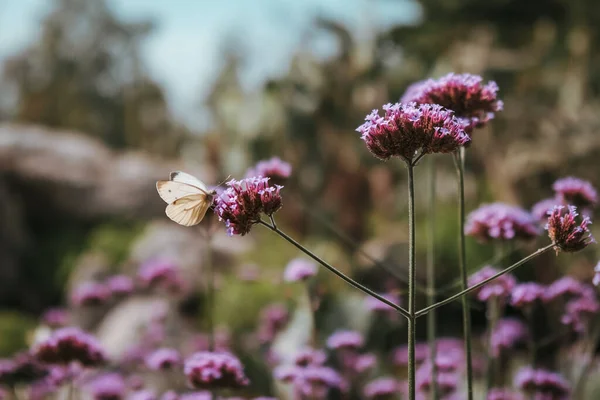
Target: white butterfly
187 197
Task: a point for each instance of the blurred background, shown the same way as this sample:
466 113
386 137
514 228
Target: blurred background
101 98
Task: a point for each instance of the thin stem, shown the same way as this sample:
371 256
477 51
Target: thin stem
210 294
411 283
331 268
486 281
70 390
462 261
493 314
431 322
15 392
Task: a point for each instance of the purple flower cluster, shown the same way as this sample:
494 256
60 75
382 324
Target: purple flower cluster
406 129
120 285
273 319
242 203
579 311
499 221
508 333
543 382
345 340
68 345
576 192
163 358
212 370
527 294
566 232
161 274
566 286
381 388
275 169
299 269
56 317
498 288
596 279
503 394
465 94
108 387
21 369
90 294
375 305
400 354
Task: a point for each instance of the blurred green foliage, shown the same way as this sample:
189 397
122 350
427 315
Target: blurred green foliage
14 330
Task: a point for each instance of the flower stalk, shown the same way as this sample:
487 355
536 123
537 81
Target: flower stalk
431 322
411 283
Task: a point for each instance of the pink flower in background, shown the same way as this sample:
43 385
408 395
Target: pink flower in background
243 202
499 221
541 208
120 285
542 382
56 317
507 333
313 381
274 168
499 287
142 395
161 274
273 318
378 306
381 388
309 356
21 369
406 129
212 370
345 340
299 269
526 294
579 311
204 395
163 358
566 232
465 94
108 387
576 192
504 394
400 355
565 286
596 279
90 294
67 345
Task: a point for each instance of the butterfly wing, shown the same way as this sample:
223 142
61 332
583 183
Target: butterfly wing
171 191
188 179
189 210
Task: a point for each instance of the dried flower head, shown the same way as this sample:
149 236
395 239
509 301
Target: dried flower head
299 269
381 388
120 285
576 192
68 345
275 169
406 129
465 94
565 232
108 387
212 370
345 340
526 294
162 359
243 202
499 221
90 294
498 288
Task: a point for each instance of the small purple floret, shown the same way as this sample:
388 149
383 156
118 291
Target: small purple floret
566 232
299 269
499 221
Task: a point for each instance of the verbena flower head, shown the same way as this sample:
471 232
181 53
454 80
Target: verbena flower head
56 317
163 358
406 129
465 94
400 354
120 285
161 274
542 382
108 387
381 388
299 269
508 333
503 394
273 318
596 279
243 202
90 294
308 356
499 221
499 287
447 382
312 381
576 192
364 363
345 340
274 168
565 286
21 369
579 311
213 370
566 232
540 209
142 395
68 345
526 294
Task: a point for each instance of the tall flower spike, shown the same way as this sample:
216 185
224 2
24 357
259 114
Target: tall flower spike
565 232
243 202
499 221
465 94
406 129
576 192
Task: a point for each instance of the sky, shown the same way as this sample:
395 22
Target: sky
183 54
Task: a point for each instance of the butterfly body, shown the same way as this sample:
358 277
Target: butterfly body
187 197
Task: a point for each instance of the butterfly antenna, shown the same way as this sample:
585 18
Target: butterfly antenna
224 180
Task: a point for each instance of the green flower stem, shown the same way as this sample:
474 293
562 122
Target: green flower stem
493 315
431 322
462 260
463 293
411 283
331 268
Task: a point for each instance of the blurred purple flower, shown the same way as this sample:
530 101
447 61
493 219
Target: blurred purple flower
408 128
499 287
170 395
163 358
90 294
312 381
400 355
378 306
576 192
249 273
204 395
465 94
299 269
56 317
541 208
212 370
120 285
565 286
503 394
274 168
447 382
543 382
499 221
142 395
308 356
68 345
345 340
21 369
596 279
273 318
565 232
108 387
135 382
579 311
381 388
161 274
526 294
507 333
364 363
242 203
